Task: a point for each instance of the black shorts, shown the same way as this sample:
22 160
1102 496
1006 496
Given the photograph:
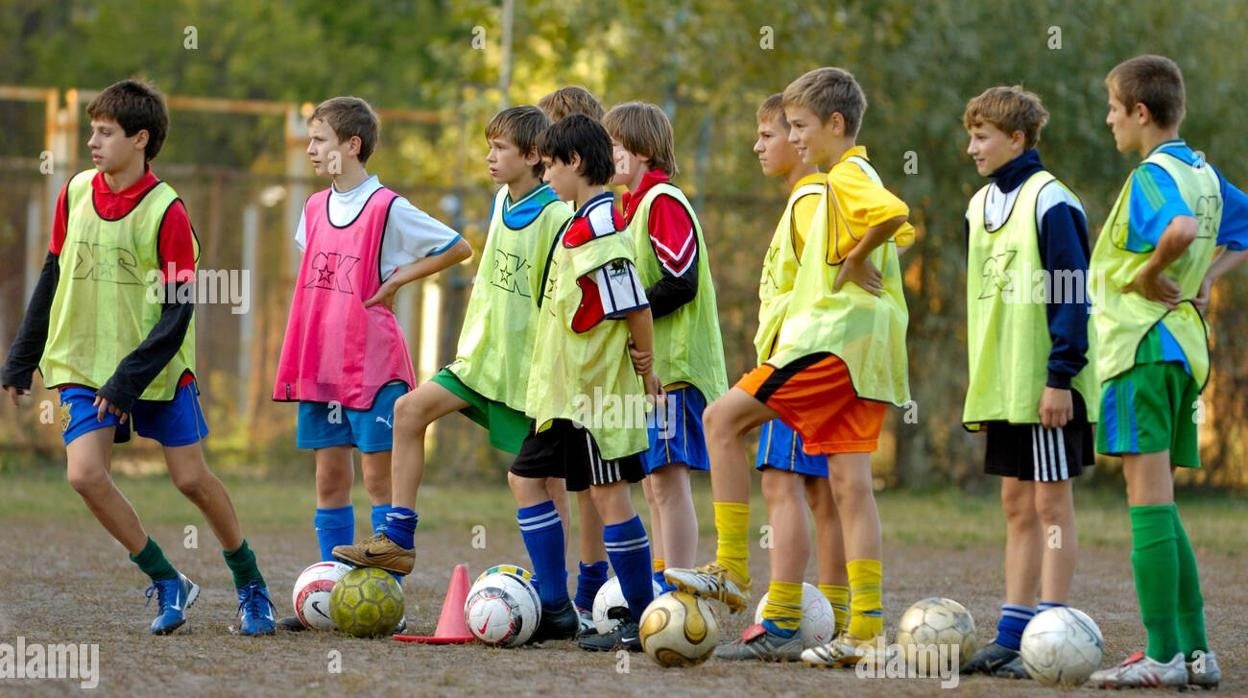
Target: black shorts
1033 453
567 451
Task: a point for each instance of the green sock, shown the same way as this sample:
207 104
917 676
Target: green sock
151 559
242 563
1155 561
1191 603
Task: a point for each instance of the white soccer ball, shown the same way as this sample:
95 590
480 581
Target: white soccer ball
818 618
936 623
502 609
310 596
1061 647
610 596
678 630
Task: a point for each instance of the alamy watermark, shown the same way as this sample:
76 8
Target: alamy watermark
1039 286
938 661
66 660
202 286
611 411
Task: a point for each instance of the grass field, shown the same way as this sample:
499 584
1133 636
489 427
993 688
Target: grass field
66 581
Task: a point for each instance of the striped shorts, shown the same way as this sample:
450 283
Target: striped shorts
565 450
1035 453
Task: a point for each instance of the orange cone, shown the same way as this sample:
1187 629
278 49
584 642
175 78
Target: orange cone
452 628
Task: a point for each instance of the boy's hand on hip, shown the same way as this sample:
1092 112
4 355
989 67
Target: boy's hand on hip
654 388
384 296
1057 407
1156 287
861 272
1201 301
19 396
102 406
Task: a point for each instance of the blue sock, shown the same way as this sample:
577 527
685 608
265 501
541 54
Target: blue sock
588 582
1014 619
334 527
542 530
401 526
1046 605
378 517
629 550
777 630
662 582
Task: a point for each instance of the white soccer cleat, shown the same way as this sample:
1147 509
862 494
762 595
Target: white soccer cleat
1140 671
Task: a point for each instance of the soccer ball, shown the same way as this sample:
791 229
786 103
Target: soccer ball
502 609
366 602
507 569
936 621
1061 646
818 618
311 594
610 596
678 629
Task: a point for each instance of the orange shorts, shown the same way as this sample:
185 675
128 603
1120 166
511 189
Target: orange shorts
816 397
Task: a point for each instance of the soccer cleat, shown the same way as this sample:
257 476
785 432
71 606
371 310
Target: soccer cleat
401 626
1141 671
587 622
1013 669
255 611
558 624
173 597
291 624
624 636
710 581
757 643
989 658
1204 672
378 551
846 651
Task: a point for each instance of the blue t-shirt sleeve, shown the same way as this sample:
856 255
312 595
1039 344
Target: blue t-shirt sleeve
1155 201
1233 232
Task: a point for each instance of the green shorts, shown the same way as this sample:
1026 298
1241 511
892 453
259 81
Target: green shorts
507 427
1150 408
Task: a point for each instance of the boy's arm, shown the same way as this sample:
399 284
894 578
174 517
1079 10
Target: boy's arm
858 268
1224 262
1151 282
675 244
27 348
1064 253
419 269
1232 236
641 340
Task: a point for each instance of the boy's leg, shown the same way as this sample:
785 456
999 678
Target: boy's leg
558 493
593 564
777 637
375 470
829 549
628 547
1155 555
657 552
1055 504
852 487
674 500
89 457
335 516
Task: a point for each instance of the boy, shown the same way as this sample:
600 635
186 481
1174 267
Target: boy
786 468
674 265
592 574
344 357
122 361
1031 386
1152 260
488 380
592 307
839 360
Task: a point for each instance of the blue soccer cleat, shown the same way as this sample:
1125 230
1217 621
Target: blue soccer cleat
173 597
255 611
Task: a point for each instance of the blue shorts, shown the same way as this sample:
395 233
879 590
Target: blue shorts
676 434
372 430
780 447
178 422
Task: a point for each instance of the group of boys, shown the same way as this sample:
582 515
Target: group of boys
577 300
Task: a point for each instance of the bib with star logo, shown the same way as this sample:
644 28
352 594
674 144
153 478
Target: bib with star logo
780 267
335 349
1007 330
101 310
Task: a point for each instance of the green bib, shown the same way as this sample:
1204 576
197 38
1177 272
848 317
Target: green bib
867 332
1007 330
688 346
586 377
1123 319
779 268
495 348
102 310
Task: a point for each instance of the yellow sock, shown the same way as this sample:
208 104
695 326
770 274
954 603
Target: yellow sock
658 564
784 606
866 617
732 524
838 596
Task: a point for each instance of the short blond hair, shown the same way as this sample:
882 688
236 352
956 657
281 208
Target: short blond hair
1009 109
569 100
827 91
350 116
645 131
1151 80
772 109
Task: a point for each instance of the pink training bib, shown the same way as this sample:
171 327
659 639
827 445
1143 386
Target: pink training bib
335 349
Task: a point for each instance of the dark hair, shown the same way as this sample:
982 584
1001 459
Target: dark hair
136 106
522 126
1154 81
582 136
351 116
